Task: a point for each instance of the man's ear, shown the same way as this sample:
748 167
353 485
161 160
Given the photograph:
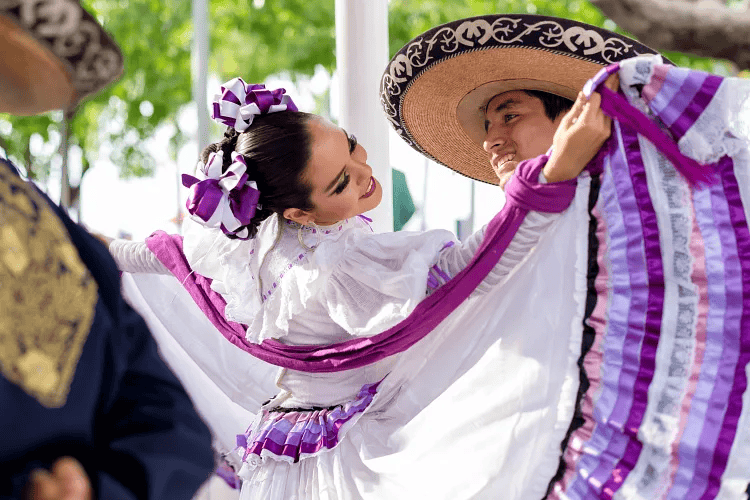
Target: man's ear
298 215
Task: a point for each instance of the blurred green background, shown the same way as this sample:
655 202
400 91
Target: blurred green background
251 38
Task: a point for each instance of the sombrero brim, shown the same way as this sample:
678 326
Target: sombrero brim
435 88
52 62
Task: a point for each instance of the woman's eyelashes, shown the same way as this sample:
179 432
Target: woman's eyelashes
352 143
342 185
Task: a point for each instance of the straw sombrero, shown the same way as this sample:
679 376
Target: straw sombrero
52 54
435 88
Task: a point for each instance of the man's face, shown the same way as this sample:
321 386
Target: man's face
517 129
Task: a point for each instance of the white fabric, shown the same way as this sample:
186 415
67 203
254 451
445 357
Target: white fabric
477 409
227 385
135 257
723 128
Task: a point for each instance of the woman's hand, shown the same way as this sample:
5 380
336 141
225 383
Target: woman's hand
66 481
582 132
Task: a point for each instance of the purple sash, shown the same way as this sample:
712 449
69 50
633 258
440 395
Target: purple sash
523 193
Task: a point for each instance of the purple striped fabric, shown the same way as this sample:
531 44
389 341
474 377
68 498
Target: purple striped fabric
612 453
739 340
295 434
651 317
696 105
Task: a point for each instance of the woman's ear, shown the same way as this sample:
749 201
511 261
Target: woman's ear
297 215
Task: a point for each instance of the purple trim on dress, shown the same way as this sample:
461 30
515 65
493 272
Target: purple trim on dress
711 214
696 106
669 87
296 434
670 113
619 108
611 439
225 472
441 274
654 308
741 337
523 193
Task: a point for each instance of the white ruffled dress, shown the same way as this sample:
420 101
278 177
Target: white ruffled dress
606 356
461 405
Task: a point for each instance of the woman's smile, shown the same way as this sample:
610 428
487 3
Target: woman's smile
371 188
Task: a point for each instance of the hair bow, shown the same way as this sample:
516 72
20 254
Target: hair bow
239 103
227 201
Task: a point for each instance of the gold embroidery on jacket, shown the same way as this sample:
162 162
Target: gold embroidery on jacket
47 296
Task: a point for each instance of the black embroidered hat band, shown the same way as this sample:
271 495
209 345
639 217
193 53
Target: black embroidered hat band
53 53
434 90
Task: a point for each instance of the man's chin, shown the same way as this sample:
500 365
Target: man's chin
504 172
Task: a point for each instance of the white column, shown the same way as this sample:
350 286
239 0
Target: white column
361 56
199 76
200 68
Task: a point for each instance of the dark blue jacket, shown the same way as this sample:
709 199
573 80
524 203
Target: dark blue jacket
126 417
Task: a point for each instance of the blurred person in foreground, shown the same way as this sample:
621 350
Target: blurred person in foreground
89 410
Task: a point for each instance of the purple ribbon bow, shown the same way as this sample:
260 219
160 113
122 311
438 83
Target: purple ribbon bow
238 103
224 200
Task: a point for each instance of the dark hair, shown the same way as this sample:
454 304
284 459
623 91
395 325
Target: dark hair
277 149
554 105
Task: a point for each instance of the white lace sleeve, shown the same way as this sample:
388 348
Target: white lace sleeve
453 259
135 257
723 129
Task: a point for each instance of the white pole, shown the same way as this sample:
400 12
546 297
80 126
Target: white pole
199 72
200 68
361 56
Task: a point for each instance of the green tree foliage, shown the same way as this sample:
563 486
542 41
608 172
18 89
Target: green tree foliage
252 38
248 38
409 18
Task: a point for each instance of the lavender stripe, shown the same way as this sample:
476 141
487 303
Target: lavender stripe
708 215
615 329
628 307
740 337
719 380
671 88
654 308
696 106
605 437
674 109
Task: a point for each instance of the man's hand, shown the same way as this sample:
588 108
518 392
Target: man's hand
66 481
582 132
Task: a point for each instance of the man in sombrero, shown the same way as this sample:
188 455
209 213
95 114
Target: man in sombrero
662 257
87 407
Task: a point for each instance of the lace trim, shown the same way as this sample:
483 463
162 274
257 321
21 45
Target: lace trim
723 128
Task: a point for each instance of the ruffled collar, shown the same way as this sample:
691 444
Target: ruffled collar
267 280
312 236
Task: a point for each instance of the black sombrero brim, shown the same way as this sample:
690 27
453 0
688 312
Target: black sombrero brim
52 58
435 88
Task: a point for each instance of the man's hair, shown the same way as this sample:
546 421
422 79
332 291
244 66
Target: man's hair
554 105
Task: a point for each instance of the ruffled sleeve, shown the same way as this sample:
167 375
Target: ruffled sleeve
375 280
135 257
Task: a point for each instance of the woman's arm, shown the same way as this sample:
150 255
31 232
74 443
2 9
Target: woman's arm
135 257
453 259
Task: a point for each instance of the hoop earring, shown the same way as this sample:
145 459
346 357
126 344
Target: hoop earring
315 230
